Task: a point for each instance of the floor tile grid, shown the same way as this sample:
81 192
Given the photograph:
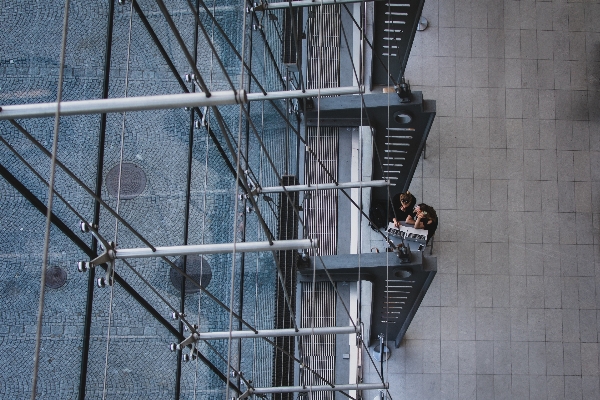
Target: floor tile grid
513 169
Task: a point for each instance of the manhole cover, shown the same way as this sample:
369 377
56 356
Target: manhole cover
132 184
56 277
197 268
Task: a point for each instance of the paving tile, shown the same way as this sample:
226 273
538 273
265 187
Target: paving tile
512 43
485 387
589 387
572 358
467 386
573 389
537 358
466 323
555 358
484 324
449 356
501 385
484 356
501 323
449 387
466 357
518 324
589 359
449 323
502 357
537 387
545 45
447 70
501 291
554 325
512 72
556 387
431 357
520 386
528 44
536 324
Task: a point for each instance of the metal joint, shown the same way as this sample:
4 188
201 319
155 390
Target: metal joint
107 257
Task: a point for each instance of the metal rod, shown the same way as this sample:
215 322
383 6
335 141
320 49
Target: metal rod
177 77
304 389
91 281
143 252
293 94
305 3
334 330
186 53
98 106
186 223
323 186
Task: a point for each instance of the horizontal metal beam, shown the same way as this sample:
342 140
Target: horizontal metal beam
334 330
322 186
167 101
304 389
294 94
242 247
101 106
305 3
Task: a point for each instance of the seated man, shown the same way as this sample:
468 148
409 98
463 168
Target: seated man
425 217
402 207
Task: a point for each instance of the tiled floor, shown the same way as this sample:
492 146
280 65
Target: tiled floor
513 168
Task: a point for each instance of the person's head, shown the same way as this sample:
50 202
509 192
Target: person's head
406 198
427 210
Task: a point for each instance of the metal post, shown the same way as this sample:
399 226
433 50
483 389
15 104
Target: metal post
322 186
144 252
335 330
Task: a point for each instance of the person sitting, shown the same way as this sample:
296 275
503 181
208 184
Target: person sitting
402 207
425 217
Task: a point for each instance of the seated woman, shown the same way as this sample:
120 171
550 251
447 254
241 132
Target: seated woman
425 218
402 207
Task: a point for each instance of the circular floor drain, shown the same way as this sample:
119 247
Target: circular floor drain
197 267
132 184
56 277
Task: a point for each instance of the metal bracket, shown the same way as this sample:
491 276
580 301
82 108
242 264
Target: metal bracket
189 341
262 6
107 257
246 394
